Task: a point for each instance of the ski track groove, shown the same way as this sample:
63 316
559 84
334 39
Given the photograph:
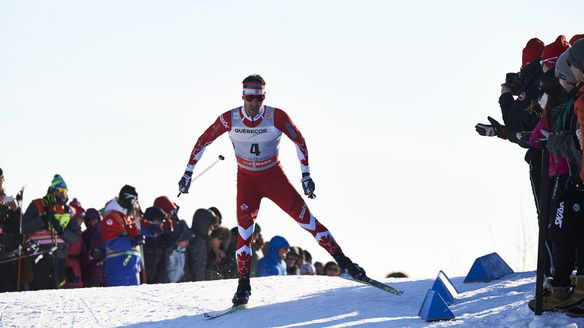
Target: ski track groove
2 315
90 311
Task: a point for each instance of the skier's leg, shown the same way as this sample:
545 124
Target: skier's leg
281 192
248 204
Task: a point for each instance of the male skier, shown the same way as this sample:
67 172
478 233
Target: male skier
255 131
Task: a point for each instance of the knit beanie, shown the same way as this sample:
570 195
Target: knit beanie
154 214
562 70
164 204
57 182
576 55
552 51
532 51
91 214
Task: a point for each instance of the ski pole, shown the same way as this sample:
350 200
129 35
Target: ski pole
19 198
204 171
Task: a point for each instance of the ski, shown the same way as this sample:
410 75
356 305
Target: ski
220 313
13 256
380 285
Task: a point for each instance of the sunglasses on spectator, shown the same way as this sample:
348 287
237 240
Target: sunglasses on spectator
250 98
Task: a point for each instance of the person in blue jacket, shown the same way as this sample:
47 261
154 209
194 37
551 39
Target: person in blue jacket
272 264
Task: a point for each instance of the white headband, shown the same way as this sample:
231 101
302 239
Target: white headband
254 91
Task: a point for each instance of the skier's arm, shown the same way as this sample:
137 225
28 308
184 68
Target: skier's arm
220 126
283 123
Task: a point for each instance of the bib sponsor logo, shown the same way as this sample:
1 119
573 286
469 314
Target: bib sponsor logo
251 131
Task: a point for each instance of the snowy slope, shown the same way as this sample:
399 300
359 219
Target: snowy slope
289 301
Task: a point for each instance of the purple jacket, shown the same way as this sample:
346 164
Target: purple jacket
558 163
92 267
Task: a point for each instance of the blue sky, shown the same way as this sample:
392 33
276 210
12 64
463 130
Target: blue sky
386 94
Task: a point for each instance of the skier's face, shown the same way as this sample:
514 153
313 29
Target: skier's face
253 103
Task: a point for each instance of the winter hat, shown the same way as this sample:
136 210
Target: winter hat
562 70
552 51
91 214
127 197
576 38
1 173
532 51
57 183
154 214
576 55
79 211
165 204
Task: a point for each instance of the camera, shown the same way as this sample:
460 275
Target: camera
513 82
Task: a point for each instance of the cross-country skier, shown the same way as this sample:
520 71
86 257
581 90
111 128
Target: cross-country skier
255 131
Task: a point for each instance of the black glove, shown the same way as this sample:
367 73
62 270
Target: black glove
495 129
185 182
49 200
308 185
97 254
52 222
138 240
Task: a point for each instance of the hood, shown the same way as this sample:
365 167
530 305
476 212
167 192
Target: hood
276 243
113 205
202 220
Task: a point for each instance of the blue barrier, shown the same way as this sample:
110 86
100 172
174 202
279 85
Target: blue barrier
434 308
443 286
487 268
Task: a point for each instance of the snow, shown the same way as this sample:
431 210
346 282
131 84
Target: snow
283 302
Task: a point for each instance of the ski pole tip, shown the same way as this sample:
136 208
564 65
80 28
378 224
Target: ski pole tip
178 195
221 157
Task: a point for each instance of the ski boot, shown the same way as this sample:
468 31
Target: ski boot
357 272
243 292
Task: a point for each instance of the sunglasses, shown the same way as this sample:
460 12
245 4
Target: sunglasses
250 98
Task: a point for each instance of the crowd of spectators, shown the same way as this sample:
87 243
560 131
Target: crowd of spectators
542 107
59 243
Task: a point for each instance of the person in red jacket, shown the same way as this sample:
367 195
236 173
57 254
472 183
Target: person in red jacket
255 131
122 239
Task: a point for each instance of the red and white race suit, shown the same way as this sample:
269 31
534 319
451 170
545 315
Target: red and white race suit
256 142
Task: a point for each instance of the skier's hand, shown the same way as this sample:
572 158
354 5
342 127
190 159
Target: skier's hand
185 182
52 222
308 185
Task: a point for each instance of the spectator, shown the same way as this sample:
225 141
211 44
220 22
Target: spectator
76 250
122 240
396 274
9 237
198 248
171 211
272 264
92 268
565 204
174 266
217 214
154 245
307 267
294 260
319 268
332 269
47 221
218 263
